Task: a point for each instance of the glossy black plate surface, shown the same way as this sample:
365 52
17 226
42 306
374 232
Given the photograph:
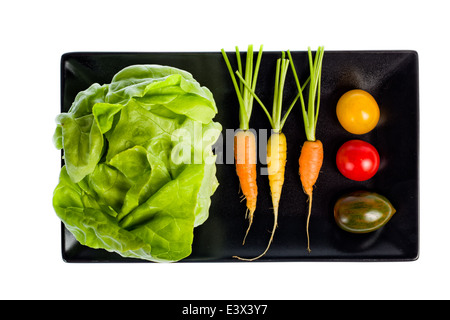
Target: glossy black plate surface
390 76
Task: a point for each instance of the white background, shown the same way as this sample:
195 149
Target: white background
34 35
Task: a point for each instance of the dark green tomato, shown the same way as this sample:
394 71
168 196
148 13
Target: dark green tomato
362 212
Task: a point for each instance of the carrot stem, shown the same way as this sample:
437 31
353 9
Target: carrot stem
310 114
239 63
276 122
255 96
243 119
245 98
294 102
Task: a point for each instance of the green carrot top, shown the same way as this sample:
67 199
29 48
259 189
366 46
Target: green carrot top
244 95
246 90
310 116
276 121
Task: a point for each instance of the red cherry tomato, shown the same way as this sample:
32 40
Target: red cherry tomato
358 160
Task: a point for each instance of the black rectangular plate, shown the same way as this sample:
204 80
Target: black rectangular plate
390 76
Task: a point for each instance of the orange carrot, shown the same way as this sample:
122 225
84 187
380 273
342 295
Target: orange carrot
311 156
245 157
244 139
310 163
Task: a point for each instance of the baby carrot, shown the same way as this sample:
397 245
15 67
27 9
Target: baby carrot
311 156
310 163
245 157
244 139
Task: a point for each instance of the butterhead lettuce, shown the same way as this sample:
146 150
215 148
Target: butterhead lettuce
138 171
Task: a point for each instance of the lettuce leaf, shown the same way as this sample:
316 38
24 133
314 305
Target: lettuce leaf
139 172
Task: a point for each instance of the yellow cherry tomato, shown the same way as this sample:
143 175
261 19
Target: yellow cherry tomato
357 111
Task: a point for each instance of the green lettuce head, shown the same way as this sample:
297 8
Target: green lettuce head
139 169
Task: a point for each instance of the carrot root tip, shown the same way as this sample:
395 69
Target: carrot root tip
307 221
249 215
275 225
